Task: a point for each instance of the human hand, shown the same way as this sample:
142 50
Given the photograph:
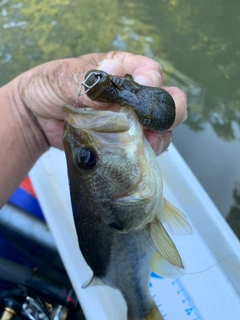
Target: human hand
44 90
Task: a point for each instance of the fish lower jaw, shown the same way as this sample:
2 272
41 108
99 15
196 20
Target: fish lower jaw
144 194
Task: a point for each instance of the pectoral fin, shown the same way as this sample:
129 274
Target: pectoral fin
163 243
175 219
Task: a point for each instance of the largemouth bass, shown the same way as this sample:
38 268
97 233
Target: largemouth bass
118 204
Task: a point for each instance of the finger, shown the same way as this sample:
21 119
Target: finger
144 70
113 67
180 100
159 141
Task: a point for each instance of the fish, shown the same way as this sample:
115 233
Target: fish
118 205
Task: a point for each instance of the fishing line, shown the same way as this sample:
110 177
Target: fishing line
211 266
218 262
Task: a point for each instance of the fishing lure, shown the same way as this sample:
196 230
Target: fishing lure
154 107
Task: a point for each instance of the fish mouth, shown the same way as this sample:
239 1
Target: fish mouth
135 195
98 120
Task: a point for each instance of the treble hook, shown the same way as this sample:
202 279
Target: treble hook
83 84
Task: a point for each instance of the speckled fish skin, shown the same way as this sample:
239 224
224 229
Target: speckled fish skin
115 201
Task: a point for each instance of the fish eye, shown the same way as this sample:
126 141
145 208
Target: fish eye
85 158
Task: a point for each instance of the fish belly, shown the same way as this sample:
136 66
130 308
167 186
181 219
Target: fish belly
121 261
130 271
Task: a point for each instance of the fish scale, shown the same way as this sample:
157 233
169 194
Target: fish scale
172 299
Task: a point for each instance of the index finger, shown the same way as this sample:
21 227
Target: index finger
144 70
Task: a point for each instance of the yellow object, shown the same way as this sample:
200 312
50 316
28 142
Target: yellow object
8 314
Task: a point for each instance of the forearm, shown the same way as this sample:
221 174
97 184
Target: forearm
21 140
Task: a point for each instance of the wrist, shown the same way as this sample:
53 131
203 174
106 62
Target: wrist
26 124
22 142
